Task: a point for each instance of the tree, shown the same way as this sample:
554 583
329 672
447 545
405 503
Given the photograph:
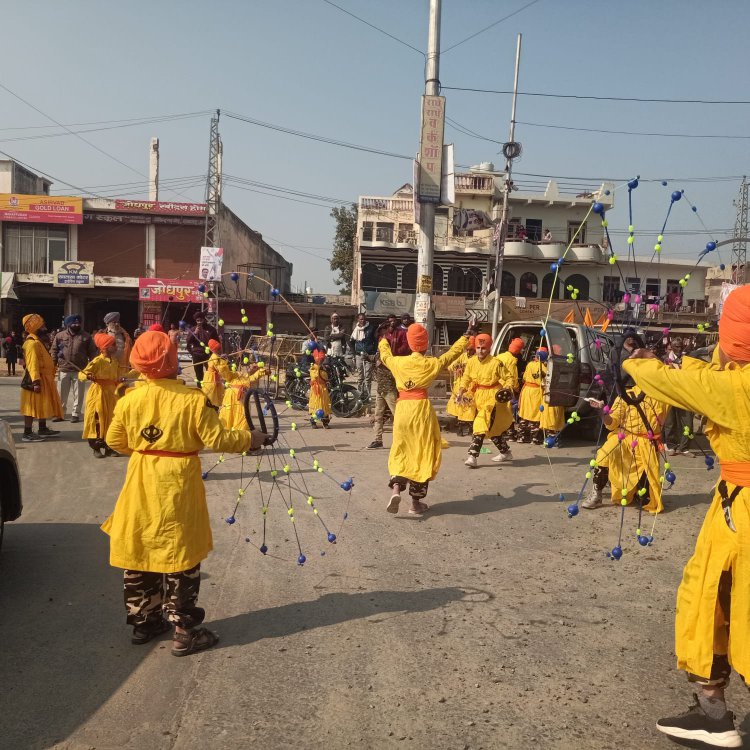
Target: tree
342 258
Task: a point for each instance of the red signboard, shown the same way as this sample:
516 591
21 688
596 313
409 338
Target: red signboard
169 290
47 209
159 207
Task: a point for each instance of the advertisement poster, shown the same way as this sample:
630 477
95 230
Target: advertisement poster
210 263
47 209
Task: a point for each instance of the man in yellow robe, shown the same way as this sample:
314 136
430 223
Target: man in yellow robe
319 400
217 373
39 397
510 359
532 393
104 373
232 412
712 627
490 386
416 451
464 410
160 530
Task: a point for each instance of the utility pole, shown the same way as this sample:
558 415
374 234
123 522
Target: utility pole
423 312
213 203
511 150
739 248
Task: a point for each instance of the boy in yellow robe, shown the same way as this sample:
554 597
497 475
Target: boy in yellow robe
319 401
160 530
104 373
39 397
712 627
416 451
532 397
490 385
217 373
232 412
510 359
464 410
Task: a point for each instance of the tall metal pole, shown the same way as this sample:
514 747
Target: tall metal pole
739 248
426 252
510 152
213 203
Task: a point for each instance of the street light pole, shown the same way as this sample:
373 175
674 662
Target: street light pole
510 152
423 312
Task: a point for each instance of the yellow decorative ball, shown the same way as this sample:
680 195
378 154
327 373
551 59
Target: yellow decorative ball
657 248
624 501
612 260
588 475
220 322
244 318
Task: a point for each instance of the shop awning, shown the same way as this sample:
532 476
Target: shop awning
6 287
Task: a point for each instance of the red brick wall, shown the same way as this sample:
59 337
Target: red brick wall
115 249
178 251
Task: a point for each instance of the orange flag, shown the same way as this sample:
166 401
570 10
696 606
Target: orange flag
570 317
587 319
605 325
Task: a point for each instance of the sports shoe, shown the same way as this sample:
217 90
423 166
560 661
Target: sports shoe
375 444
594 500
695 724
471 462
46 432
31 437
502 457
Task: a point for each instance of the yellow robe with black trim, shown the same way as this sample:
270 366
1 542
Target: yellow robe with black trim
101 397
492 418
216 374
701 626
416 451
160 522
511 365
40 367
626 463
464 412
532 392
319 397
232 411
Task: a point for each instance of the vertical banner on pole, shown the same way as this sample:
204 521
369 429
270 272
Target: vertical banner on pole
431 149
448 177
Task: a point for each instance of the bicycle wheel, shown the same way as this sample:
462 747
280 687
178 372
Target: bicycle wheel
345 401
297 391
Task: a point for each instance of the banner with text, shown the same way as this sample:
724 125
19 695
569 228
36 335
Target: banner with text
169 290
47 209
210 263
73 273
431 149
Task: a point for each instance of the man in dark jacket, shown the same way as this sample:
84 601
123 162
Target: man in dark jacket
364 341
72 349
197 340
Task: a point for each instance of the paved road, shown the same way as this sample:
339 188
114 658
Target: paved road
494 622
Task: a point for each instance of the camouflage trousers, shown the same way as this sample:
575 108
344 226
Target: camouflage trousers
151 597
499 441
417 490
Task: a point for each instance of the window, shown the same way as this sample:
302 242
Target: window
633 285
547 282
581 283
437 279
409 278
406 233
465 283
534 229
508 285
384 232
376 279
573 228
32 248
514 227
611 289
367 231
653 288
528 285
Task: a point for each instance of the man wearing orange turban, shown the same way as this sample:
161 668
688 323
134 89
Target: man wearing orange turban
531 399
510 359
104 374
715 587
490 385
415 454
39 397
464 410
160 529
216 375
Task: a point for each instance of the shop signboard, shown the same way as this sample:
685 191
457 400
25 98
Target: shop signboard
45 209
169 290
73 273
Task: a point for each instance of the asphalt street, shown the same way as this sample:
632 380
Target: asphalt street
494 621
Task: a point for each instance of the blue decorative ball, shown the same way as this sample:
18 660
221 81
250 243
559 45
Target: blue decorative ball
553 267
541 407
263 549
709 462
676 195
616 553
549 442
204 475
542 332
607 192
572 510
275 293
234 276
670 476
710 246
183 324
694 209
650 540
230 520
331 537
561 497
643 540
598 208
722 266
320 414
301 560
664 182
633 184
346 485
201 288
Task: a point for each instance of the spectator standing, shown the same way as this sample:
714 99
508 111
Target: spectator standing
676 440
72 349
197 340
363 339
10 346
547 236
335 335
123 342
174 335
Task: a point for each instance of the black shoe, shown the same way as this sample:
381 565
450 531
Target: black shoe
31 437
695 724
46 432
375 444
57 419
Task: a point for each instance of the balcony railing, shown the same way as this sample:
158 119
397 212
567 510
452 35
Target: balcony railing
371 203
474 183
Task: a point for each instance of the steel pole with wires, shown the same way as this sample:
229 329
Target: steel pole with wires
511 150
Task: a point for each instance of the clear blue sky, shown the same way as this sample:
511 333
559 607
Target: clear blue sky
305 65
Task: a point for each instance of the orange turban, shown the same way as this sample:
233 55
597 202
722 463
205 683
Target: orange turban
472 342
156 327
734 325
417 338
154 355
484 340
32 323
104 341
516 346
214 346
318 356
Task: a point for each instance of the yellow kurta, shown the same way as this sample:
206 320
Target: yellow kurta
101 396
627 464
319 397
552 418
160 522
232 411
464 412
723 396
511 365
484 378
532 392
416 450
39 366
217 373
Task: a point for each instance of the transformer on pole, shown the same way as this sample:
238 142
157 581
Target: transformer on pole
739 248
